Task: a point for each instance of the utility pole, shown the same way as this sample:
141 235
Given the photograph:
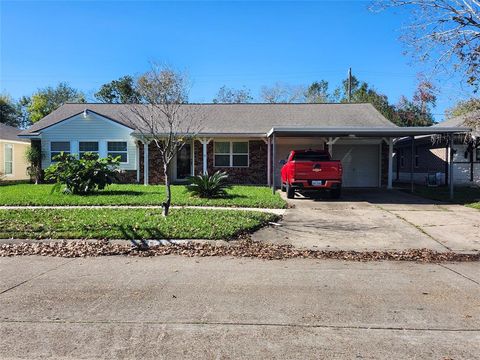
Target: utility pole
350 85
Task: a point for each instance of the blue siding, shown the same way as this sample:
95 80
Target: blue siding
89 128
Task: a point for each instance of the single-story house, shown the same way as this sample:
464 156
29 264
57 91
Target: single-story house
13 164
432 154
245 140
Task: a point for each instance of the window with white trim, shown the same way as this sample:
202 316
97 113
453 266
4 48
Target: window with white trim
56 147
231 154
8 162
87 146
118 148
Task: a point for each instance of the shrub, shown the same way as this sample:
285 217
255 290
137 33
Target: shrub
209 186
34 156
82 176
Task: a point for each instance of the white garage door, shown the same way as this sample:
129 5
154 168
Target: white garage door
360 164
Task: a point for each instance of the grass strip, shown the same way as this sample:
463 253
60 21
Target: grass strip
128 194
129 223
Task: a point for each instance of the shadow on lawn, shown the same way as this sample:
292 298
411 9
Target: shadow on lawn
123 193
138 237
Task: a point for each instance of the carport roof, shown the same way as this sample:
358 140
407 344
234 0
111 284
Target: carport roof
293 131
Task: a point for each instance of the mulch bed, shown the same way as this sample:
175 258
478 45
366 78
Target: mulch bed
242 248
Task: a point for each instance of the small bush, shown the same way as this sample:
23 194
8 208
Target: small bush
82 176
209 186
34 157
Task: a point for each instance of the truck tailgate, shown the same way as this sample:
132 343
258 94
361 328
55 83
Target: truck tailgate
322 170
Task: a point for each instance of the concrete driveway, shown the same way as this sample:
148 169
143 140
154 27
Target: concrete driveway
376 220
175 307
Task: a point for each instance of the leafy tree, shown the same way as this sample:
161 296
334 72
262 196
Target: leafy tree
317 92
121 91
9 111
282 93
82 176
445 32
227 95
410 113
362 92
46 100
463 107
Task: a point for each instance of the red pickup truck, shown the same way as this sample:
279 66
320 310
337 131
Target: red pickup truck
311 170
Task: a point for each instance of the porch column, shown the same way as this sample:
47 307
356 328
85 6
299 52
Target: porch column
330 146
450 170
204 155
269 162
412 159
193 158
273 163
390 163
138 162
145 162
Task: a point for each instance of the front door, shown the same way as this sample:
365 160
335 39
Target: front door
184 162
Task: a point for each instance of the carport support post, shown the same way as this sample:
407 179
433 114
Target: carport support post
269 161
273 163
390 163
412 139
450 163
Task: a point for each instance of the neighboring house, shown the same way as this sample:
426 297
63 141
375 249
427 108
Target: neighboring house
431 155
245 140
13 165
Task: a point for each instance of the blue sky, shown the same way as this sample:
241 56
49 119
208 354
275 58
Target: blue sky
251 44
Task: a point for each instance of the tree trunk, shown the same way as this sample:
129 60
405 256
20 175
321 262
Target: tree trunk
168 194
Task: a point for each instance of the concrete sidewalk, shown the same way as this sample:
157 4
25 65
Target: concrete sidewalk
204 308
20 207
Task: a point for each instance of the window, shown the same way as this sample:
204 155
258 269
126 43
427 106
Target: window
56 147
118 148
417 158
231 153
87 146
311 156
8 159
477 154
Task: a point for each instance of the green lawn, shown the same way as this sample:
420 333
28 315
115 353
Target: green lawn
238 196
129 223
469 196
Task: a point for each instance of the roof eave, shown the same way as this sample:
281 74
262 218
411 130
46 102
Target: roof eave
366 131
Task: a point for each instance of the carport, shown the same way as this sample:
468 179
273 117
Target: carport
365 152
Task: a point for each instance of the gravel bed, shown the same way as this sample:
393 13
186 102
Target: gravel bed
242 248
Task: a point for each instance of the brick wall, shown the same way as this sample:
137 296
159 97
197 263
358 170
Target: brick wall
256 173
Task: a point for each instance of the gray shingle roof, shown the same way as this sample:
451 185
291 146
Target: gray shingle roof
240 118
460 120
10 133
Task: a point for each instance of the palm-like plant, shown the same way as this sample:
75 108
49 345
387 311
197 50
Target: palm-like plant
209 186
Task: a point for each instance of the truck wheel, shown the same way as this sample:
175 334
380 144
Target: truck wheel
335 193
290 192
282 187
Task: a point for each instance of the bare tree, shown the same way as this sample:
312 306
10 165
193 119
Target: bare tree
165 118
227 95
283 93
446 32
